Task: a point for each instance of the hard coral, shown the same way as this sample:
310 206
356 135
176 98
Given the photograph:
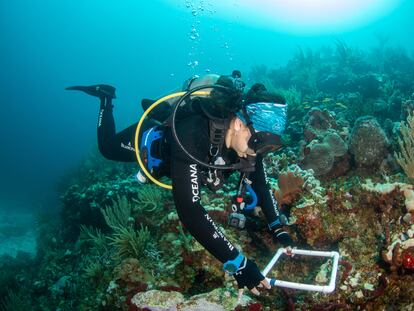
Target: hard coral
218 299
388 189
156 300
309 221
131 275
348 267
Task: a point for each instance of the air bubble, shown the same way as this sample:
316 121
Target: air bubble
193 64
194 33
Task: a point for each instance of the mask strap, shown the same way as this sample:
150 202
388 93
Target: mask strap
249 122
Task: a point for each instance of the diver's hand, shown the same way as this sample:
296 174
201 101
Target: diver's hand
289 251
249 275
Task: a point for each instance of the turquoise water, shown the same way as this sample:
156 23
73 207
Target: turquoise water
141 47
145 49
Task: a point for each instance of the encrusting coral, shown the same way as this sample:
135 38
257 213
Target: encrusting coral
406 190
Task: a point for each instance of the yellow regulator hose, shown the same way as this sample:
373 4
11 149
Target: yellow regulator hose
146 112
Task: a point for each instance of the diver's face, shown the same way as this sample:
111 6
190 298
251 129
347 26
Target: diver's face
239 135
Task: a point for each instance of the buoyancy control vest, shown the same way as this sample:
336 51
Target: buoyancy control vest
219 107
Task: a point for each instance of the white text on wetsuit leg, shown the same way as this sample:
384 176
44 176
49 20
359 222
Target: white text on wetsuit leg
274 202
272 196
218 233
194 183
100 118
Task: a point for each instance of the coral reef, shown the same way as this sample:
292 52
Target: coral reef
323 149
216 300
118 245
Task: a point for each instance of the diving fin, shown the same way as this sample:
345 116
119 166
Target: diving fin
98 90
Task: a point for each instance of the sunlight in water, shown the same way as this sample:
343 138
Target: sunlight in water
299 16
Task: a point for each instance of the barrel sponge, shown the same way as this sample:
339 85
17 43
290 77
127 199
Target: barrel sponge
368 143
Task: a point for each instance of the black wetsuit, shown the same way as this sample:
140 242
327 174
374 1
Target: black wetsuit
185 174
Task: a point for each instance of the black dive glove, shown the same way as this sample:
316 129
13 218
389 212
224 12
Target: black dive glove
248 275
281 236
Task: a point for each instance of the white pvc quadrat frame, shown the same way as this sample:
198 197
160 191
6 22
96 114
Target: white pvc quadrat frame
319 288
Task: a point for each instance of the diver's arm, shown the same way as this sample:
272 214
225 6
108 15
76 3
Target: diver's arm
268 203
186 191
186 184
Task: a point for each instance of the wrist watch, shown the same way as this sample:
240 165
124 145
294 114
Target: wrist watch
231 266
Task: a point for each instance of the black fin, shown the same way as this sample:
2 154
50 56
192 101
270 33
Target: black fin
98 90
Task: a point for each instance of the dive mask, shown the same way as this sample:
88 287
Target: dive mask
266 122
264 142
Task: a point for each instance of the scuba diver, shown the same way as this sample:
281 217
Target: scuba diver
225 129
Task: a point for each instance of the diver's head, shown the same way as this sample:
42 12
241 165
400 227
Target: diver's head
258 126
237 138
224 98
231 81
199 81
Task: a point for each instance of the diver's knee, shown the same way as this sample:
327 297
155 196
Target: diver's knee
107 153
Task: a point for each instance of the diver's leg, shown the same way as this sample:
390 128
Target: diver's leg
117 147
106 123
112 145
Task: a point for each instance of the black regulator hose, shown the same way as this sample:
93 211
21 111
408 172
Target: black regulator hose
247 164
